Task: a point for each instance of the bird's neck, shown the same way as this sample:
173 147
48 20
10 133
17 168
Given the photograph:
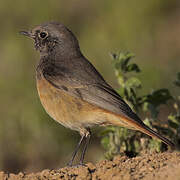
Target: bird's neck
61 53
58 59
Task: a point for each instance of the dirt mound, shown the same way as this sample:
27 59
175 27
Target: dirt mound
149 166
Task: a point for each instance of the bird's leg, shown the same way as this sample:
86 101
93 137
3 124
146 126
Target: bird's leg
76 150
87 136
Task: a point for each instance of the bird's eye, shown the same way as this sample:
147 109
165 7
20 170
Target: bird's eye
43 35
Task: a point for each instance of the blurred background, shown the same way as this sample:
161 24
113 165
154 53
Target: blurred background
29 139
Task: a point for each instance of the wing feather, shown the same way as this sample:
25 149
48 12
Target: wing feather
99 94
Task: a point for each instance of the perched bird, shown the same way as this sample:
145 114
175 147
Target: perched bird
73 92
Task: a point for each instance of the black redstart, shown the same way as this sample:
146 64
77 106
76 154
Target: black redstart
73 92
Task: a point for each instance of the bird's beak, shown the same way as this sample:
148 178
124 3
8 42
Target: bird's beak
26 33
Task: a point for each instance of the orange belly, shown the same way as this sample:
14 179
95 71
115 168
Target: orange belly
71 112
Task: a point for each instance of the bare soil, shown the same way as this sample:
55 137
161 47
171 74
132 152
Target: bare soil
162 166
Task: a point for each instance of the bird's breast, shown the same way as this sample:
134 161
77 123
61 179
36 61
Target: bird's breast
70 111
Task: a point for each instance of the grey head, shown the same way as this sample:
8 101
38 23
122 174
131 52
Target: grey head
52 38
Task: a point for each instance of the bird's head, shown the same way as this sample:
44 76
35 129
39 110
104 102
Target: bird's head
50 37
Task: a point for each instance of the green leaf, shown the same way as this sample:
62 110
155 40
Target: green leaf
121 81
121 62
158 97
133 67
113 56
173 124
155 144
147 122
174 121
133 82
120 91
107 130
145 106
105 142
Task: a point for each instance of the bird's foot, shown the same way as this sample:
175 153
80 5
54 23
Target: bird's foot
76 165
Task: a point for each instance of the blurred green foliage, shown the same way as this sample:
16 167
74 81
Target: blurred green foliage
29 139
118 139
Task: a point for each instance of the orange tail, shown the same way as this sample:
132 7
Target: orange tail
132 124
145 129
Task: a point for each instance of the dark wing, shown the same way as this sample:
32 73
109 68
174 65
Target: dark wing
89 85
107 98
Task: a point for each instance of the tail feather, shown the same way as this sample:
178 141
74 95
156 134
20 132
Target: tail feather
140 126
145 129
